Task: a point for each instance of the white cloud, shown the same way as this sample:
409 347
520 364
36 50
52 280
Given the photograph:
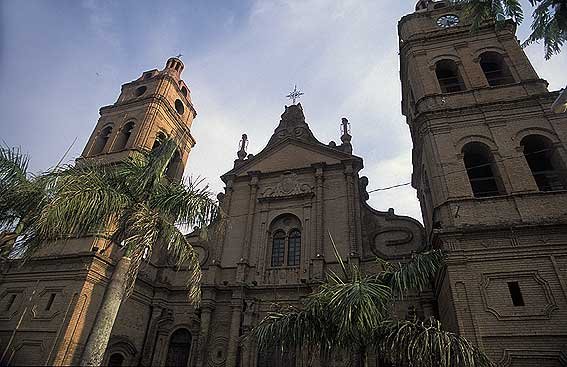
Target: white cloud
343 55
333 52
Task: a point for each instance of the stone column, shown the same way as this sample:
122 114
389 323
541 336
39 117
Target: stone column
207 308
248 317
234 334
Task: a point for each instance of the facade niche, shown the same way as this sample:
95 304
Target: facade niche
285 241
481 170
495 69
179 349
447 72
116 360
101 140
123 136
544 162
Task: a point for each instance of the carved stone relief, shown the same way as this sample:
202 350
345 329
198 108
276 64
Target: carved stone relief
217 351
287 187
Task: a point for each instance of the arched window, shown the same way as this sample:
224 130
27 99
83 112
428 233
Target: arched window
101 140
184 91
286 241
179 349
160 137
278 248
544 163
495 69
294 248
116 360
448 76
123 136
481 170
173 165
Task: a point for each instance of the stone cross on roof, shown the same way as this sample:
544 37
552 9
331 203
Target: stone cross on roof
295 94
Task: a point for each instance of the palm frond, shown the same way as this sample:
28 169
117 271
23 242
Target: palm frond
550 25
424 344
356 306
338 257
156 165
414 274
184 255
140 234
85 200
293 328
13 166
190 202
14 182
549 19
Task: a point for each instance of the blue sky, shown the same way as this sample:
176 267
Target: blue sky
61 60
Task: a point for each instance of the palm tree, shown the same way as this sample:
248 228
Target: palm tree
549 19
132 204
22 195
353 313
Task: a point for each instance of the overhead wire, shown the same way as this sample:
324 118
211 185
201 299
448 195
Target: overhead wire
409 183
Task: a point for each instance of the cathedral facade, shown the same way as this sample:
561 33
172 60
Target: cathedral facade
489 162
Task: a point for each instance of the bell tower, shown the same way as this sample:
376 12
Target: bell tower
150 108
489 159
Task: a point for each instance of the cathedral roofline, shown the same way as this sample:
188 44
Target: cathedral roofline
292 128
270 148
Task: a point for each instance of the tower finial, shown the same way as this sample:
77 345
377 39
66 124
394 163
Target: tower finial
346 137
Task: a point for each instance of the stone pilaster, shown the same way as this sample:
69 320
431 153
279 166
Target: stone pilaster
320 233
234 334
207 308
146 359
217 255
349 172
250 217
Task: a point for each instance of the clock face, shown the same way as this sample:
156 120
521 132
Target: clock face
447 21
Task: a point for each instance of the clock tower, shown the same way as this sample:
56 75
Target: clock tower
489 159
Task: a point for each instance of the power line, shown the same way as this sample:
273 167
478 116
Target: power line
409 183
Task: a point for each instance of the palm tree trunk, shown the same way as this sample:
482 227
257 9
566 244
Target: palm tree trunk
106 315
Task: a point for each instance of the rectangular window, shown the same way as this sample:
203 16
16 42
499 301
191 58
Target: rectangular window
10 302
516 293
50 302
278 249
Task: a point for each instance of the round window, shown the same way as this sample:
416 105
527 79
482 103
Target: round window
140 90
179 107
